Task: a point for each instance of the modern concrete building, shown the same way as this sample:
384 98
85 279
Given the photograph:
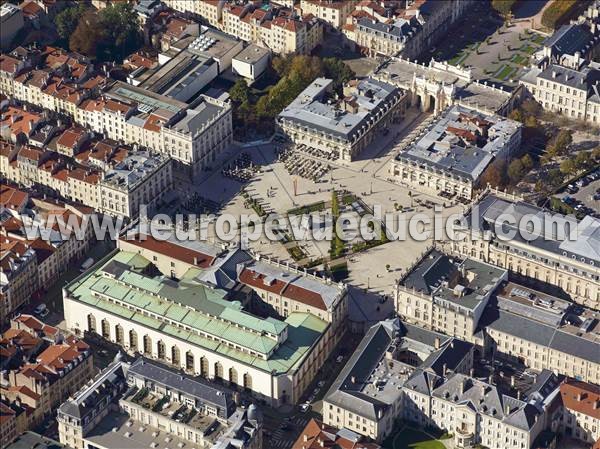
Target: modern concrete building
251 62
342 127
452 153
368 395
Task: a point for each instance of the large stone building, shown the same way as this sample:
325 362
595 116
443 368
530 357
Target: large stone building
256 324
342 127
333 12
571 91
367 396
490 413
478 303
280 30
406 31
570 263
40 239
450 156
437 85
146 404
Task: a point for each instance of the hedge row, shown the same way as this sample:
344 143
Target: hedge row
560 11
503 7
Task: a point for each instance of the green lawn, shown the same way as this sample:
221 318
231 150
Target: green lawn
409 438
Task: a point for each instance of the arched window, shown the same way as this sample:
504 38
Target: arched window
105 329
161 350
91 323
233 376
133 340
147 345
119 335
175 356
204 367
218 370
189 361
247 381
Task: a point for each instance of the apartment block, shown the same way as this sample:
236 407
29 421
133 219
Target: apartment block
279 29
192 134
335 13
18 278
44 367
451 154
149 405
57 233
342 127
581 411
316 434
105 176
407 29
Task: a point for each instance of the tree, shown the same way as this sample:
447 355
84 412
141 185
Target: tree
240 93
568 167
532 122
503 7
555 177
494 175
122 30
560 143
527 162
516 114
67 20
582 160
88 37
596 153
531 107
516 171
338 71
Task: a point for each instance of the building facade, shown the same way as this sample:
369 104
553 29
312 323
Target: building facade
345 127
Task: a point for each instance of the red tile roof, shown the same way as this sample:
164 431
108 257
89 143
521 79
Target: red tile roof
12 198
581 397
317 435
177 252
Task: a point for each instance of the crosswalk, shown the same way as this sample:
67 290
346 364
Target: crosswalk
281 439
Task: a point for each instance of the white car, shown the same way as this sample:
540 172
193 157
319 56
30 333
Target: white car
339 359
304 407
41 310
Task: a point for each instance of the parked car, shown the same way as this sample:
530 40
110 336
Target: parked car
41 310
304 407
86 264
321 384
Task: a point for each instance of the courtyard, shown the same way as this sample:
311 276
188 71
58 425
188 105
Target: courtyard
272 188
495 51
410 438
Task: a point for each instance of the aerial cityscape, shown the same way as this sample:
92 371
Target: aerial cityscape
300 224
